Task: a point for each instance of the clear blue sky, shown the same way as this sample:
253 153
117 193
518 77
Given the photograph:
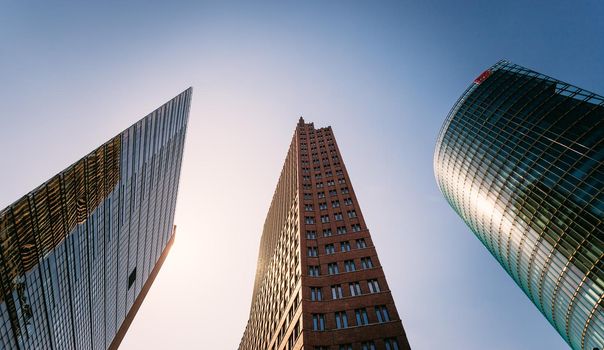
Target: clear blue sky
383 74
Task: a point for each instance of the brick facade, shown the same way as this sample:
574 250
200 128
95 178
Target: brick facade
332 248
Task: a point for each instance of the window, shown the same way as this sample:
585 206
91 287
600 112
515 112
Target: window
368 345
356 227
366 263
361 316
348 201
341 320
132 278
313 252
345 246
332 268
346 347
305 178
352 214
339 172
337 216
355 289
307 196
373 285
382 313
349 266
335 204
308 207
341 181
391 344
307 186
333 192
328 173
319 185
316 294
323 206
326 232
330 249
318 322
345 190
321 194
309 220
314 270
361 243
336 291
331 183
341 230
318 176
311 235
324 219
320 347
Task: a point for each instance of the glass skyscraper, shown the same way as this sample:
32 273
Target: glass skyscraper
79 253
521 159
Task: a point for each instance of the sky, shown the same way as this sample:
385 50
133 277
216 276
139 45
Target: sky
384 76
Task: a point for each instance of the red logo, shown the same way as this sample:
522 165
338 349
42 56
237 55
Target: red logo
482 77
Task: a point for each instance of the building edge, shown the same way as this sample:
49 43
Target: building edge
121 333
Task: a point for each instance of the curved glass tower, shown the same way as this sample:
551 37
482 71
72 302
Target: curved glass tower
521 159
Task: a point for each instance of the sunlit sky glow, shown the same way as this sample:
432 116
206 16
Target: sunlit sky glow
383 74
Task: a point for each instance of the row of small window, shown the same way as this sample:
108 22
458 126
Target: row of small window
323 205
315 157
308 196
317 163
341 318
320 138
319 176
310 220
333 269
389 343
316 293
349 266
327 232
319 132
321 184
313 153
313 145
331 248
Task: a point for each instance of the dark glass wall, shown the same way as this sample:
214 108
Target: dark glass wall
76 251
520 159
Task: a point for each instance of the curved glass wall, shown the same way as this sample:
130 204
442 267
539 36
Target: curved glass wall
521 159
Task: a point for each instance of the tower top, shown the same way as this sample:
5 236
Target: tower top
301 121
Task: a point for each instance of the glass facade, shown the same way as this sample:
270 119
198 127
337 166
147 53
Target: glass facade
521 159
76 252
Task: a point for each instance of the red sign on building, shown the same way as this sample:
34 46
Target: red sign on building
482 77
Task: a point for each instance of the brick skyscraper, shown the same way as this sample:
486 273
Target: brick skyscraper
319 284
